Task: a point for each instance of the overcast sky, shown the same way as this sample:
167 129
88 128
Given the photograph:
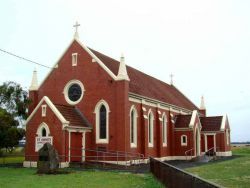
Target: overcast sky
205 44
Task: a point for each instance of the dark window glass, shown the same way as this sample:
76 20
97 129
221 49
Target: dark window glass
149 128
44 132
132 126
184 139
103 125
74 92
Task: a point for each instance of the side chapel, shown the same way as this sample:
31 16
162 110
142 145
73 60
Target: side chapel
89 101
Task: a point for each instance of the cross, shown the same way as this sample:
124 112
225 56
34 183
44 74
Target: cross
76 26
171 79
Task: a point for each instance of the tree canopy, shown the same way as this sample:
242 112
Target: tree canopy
13 111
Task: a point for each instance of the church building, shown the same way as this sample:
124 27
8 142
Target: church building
90 106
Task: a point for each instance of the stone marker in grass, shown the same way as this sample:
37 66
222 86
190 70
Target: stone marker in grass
48 161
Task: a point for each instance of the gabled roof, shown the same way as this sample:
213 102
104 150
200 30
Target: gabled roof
68 115
182 121
148 86
211 123
74 116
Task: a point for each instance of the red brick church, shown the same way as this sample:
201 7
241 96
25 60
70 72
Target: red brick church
91 102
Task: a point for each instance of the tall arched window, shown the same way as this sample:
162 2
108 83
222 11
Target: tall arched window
102 122
133 127
150 129
164 130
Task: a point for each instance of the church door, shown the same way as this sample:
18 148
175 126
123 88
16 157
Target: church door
210 142
76 147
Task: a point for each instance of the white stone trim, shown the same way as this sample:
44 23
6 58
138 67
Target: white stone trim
33 164
184 143
223 123
83 146
74 59
133 97
44 109
193 118
151 127
205 137
97 60
169 158
69 142
40 128
52 107
224 154
97 112
164 127
133 144
66 88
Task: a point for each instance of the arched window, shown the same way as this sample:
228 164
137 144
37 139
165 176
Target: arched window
150 129
44 132
133 127
184 140
164 130
102 122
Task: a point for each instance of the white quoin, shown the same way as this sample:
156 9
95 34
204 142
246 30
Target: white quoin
122 73
202 106
34 82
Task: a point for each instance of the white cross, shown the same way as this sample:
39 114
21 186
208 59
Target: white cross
171 79
76 26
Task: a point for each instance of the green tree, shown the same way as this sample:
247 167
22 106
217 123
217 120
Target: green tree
13 112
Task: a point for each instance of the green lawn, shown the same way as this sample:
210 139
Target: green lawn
21 177
16 156
229 173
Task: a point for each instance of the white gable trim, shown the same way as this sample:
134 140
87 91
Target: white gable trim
56 64
223 123
192 121
90 53
52 107
98 60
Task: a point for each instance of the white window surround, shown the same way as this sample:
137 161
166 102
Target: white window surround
74 59
164 130
150 129
133 110
66 88
40 129
183 142
44 109
97 122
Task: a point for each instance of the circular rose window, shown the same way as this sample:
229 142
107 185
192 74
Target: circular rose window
73 92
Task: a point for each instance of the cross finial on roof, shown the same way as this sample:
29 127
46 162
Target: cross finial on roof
76 32
171 79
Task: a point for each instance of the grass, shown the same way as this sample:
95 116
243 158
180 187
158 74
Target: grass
16 156
228 173
21 177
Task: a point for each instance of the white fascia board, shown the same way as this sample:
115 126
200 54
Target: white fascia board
223 123
89 52
56 64
192 121
52 107
97 60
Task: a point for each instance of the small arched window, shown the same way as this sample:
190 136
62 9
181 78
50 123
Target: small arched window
102 122
150 129
133 127
164 130
44 133
184 140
